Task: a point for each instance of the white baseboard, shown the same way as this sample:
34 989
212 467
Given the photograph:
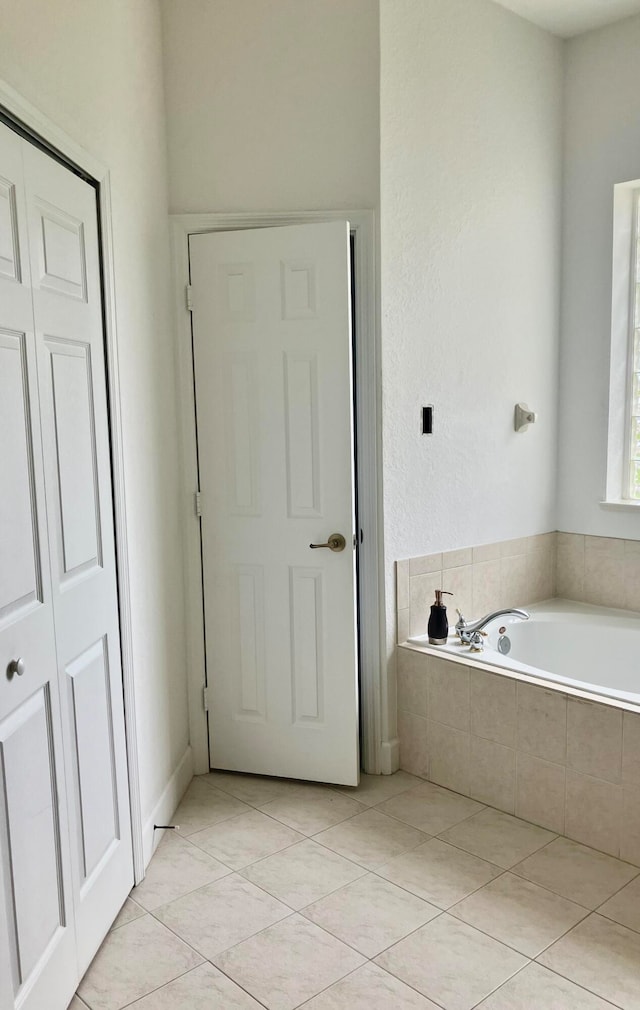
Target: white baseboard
166 805
390 756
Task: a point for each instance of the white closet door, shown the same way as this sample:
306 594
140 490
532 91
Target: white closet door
65 274
37 944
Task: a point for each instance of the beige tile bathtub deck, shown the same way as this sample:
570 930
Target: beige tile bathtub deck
416 899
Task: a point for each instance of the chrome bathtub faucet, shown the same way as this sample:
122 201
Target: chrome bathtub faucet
471 633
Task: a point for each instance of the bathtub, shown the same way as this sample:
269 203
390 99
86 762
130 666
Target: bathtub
582 649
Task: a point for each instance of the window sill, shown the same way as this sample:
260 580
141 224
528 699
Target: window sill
621 504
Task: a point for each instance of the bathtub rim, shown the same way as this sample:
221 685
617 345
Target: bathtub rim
541 678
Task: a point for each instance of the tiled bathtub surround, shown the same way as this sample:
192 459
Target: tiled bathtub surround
603 571
481 579
600 570
569 765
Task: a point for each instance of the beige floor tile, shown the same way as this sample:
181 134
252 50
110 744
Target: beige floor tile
256 790
129 911
537 988
370 988
451 963
576 872
439 873
242 840
221 914
77 1004
268 965
602 956
177 867
624 907
430 808
371 838
303 873
312 810
519 913
370 914
375 789
134 960
203 805
204 988
498 837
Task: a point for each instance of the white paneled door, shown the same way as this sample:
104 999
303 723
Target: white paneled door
274 405
64 814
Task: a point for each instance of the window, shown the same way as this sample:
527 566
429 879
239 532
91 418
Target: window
633 381
623 450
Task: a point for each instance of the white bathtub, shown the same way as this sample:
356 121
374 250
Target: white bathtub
574 645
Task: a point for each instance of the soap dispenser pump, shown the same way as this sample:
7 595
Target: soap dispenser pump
438 626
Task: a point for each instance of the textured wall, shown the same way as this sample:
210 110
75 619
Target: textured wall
602 148
272 106
470 235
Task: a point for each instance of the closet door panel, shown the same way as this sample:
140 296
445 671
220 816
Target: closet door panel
64 255
38 968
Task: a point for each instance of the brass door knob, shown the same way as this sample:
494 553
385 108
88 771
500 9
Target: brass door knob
336 542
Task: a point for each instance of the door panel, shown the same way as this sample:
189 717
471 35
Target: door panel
31 831
272 358
20 573
63 244
93 746
78 514
37 941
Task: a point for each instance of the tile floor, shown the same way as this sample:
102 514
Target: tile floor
398 895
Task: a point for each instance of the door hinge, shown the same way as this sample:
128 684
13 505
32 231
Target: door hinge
197 503
206 698
189 297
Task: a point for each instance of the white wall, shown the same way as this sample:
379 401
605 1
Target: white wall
95 69
470 128
272 106
602 148
470 221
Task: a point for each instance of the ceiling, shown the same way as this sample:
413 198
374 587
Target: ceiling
571 17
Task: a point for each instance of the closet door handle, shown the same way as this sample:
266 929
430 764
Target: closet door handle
15 667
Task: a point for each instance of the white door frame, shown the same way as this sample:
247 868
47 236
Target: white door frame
39 127
367 373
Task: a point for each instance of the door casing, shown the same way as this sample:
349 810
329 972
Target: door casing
377 755
45 133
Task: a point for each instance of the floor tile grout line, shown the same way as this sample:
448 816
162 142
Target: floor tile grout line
185 894
296 784
395 817
338 790
233 869
440 912
315 901
531 957
430 901
251 936
450 841
633 879
158 988
411 848
401 979
478 1005
369 961
586 988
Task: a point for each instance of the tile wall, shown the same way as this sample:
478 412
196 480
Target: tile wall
601 570
569 765
510 574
